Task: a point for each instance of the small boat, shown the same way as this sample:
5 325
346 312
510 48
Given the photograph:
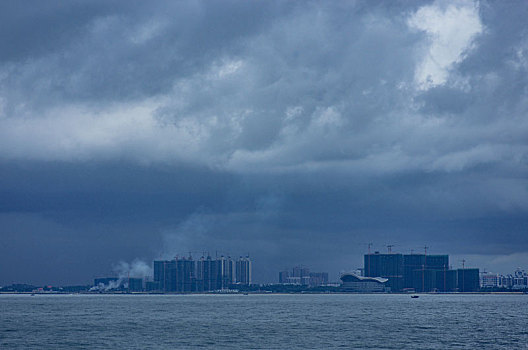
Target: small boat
415 296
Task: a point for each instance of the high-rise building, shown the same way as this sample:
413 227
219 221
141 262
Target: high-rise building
300 271
436 262
429 280
283 276
318 279
389 266
200 279
427 273
175 275
423 273
214 274
185 281
159 273
228 273
243 270
446 280
468 280
411 263
210 274
170 274
207 274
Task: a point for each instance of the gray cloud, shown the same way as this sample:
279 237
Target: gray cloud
295 131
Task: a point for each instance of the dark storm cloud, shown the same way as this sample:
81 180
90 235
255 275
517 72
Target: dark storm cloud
297 132
110 51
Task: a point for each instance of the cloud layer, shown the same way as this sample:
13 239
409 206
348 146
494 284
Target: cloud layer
282 126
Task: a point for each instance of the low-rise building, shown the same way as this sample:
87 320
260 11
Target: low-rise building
490 280
359 284
135 284
300 275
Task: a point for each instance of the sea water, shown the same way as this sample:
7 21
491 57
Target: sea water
297 321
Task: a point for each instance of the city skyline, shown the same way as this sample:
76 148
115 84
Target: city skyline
145 270
385 272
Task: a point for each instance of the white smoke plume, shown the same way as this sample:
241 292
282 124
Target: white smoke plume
135 269
124 270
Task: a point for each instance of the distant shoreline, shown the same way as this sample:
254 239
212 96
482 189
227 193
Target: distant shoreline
262 293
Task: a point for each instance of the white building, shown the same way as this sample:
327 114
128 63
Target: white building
359 284
517 280
490 280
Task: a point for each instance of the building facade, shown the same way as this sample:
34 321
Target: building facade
177 275
468 280
428 273
389 266
135 284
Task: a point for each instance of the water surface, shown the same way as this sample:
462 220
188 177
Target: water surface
263 321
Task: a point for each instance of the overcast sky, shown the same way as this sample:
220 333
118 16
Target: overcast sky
297 132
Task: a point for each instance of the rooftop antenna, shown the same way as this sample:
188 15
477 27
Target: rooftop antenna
389 248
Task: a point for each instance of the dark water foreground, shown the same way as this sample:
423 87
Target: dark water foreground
263 322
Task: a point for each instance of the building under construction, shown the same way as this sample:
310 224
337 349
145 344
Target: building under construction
419 272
